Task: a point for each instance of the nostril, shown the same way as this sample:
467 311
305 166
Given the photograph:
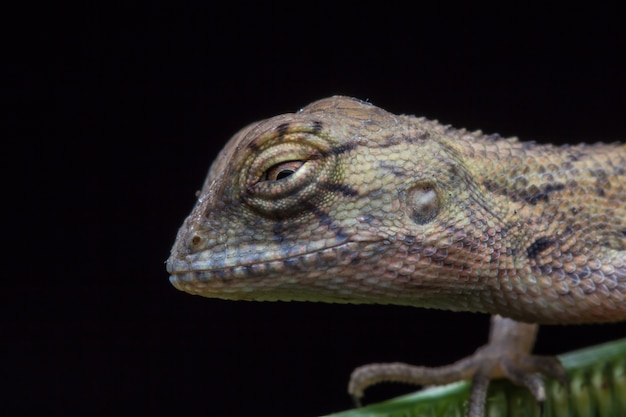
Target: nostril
196 243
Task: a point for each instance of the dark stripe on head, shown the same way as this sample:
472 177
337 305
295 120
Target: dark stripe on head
394 169
282 129
602 181
279 231
317 126
515 192
539 246
343 189
420 137
542 195
341 149
325 219
490 186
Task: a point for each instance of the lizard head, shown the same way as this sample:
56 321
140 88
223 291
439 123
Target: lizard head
320 205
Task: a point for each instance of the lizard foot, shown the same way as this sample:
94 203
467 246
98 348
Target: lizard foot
507 355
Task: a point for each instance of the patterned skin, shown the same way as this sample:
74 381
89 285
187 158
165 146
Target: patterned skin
344 202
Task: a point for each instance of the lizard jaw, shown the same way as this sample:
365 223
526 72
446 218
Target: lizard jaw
253 280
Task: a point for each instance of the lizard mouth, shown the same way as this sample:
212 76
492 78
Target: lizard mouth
230 278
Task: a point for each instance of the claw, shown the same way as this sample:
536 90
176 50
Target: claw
507 355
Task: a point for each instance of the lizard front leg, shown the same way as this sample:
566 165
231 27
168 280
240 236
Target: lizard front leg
506 355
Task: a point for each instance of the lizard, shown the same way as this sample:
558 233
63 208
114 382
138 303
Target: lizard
344 202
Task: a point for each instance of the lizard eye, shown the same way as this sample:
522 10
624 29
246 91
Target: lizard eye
282 170
287 170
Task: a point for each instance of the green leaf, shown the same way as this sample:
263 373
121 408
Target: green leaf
597 389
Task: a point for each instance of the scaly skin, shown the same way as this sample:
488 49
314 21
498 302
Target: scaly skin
344 202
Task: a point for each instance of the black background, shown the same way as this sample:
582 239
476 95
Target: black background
116 112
